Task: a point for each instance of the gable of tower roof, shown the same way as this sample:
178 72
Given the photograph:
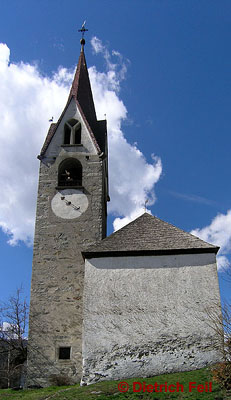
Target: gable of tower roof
54 126
148 235
82 94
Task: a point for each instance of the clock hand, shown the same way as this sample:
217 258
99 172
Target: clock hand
75 207
69 203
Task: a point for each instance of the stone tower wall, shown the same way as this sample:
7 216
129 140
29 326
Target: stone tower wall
58 266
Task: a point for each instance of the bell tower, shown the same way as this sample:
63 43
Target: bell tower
71 215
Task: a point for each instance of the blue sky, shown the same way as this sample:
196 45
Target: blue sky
173 93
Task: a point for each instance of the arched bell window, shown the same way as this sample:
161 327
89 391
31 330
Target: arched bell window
70 173
72 132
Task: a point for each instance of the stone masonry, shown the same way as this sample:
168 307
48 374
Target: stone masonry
58 265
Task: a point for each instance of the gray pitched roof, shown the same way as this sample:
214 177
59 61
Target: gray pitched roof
149 235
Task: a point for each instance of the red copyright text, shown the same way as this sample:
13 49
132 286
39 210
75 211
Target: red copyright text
136 387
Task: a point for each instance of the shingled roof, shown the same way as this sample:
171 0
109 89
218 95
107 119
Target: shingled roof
82 94
81 91
149 235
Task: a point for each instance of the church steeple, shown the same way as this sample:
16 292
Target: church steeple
81 94
71 216
81 90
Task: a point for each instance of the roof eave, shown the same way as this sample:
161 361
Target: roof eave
161 252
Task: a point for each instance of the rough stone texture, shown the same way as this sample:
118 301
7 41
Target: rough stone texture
150 315
58 265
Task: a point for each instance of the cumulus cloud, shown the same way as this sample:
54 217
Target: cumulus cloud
4 56
131 177
115 70
219 234
27 101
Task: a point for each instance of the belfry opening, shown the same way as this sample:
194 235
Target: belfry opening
70 173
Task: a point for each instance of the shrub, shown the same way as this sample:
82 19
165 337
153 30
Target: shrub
222 374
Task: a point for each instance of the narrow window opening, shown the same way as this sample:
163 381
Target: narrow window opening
72 132
78 133
64 353
67 134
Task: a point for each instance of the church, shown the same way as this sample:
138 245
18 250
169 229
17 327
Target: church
105 308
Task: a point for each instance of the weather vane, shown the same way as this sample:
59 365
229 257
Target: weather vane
83 29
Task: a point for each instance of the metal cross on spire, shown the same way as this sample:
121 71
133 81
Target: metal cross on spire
83 29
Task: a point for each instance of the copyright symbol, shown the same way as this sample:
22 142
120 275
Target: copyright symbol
123 387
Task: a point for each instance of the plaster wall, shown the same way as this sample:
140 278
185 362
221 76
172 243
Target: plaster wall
147 315
87 145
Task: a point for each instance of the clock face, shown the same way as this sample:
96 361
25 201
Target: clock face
69 203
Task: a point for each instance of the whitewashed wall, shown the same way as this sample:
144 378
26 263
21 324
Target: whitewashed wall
146 315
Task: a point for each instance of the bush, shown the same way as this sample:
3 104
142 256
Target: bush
222 374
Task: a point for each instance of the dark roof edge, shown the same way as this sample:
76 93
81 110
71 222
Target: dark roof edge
51 132
121 253
89 127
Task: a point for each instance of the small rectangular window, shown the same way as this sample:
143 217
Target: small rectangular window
64 353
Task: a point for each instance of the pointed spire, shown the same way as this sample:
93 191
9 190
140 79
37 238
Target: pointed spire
82 94
81 89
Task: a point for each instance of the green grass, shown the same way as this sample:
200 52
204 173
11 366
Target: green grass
109 390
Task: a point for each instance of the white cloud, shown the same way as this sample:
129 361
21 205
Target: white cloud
8 330
117 70
6 326
27 101
194 198
219 234
4 56
131 178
